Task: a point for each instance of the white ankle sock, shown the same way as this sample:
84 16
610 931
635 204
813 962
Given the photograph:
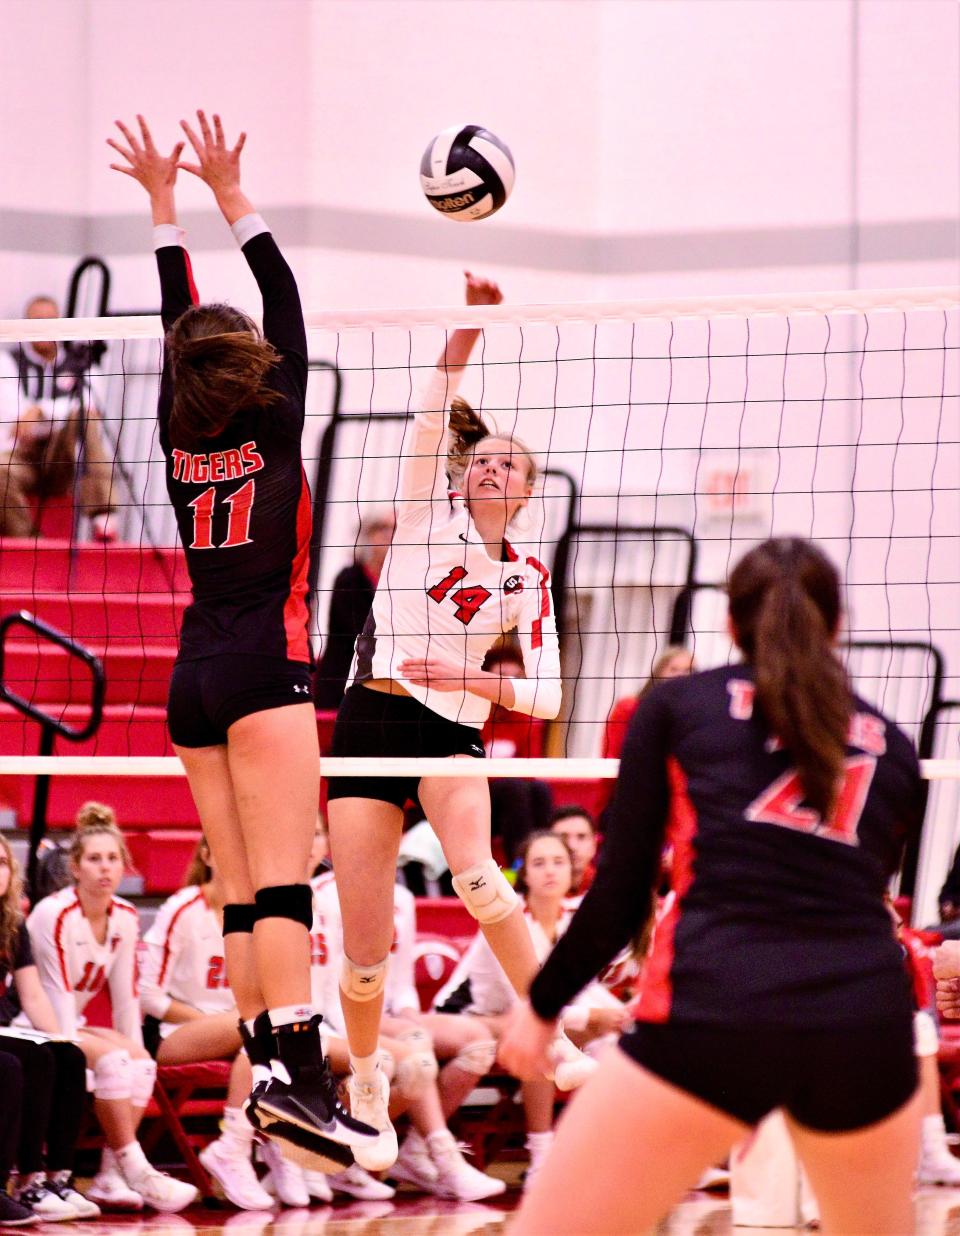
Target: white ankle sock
237 1135
440 1143
538 1145
287 1014
132 1161
365 1068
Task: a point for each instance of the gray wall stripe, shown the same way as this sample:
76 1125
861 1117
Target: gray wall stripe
372 232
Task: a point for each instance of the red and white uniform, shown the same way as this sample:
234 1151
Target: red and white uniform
440 592
183 959
74 966
490 990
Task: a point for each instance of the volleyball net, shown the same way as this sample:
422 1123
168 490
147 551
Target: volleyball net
670 438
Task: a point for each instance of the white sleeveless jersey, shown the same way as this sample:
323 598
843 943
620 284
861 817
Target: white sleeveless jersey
441 593
326 938
183 959
74 966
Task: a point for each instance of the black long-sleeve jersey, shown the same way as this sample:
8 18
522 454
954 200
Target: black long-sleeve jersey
777 917
241 499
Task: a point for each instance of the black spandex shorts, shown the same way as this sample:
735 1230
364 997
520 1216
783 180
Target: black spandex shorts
208 695
372 723
833 1081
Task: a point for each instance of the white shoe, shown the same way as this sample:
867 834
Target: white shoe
414 1165
163 1192
285 1178
234 1174
369 1101
938 1167
571 1067
456 1178
61 1183
44 1202
111 1192
318 1186
355 1182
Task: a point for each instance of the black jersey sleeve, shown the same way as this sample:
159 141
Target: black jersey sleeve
618 901
282 313
177 290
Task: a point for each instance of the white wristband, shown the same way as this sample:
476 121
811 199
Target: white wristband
167 234
246 228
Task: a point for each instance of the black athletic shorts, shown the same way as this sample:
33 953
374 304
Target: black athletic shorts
207 696
833 1081
372 723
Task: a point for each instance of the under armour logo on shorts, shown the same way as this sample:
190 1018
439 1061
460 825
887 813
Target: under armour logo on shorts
298 689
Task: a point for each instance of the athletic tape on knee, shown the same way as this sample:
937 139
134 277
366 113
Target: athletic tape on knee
416 1073
143 1074
926 1041
111 1076
362 983
486 892
239 917
293 901
477 1057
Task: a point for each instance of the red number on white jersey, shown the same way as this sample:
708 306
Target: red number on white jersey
318 949
240 503
216 973
467 600
92 977
781 803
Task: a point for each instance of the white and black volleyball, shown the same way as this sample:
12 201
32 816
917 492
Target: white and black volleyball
466 173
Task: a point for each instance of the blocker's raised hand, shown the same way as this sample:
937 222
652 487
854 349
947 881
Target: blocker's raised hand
218 166
156 172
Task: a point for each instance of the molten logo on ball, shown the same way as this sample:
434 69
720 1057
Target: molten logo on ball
466 173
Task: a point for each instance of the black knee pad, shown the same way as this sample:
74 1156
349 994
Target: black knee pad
239 916
293 901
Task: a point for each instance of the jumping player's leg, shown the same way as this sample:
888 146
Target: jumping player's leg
364 841
863 1180
208 773
459 812
633 1144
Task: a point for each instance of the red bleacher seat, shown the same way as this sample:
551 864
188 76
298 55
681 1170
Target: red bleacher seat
446 917
571 792
435 959
161 857
175 1101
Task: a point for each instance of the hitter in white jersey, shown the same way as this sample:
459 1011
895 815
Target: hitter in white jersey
450 587
85 938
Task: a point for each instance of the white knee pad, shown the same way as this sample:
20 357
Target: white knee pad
111 1075
477 1057
416 1073
143 1074
486 892
362 983
926 1041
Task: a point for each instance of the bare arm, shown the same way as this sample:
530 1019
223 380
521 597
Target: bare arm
34 1000
459 346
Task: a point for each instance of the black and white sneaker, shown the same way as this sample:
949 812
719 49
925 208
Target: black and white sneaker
303 1093
13 1213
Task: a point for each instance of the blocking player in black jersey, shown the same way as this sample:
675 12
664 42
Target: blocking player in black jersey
775 981
230 415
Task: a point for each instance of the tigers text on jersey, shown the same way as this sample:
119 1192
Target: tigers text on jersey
241 498
440 592
183 959
778 916
74 966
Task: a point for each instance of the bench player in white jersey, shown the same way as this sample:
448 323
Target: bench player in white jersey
406 1049
190 1008
451 586
85 938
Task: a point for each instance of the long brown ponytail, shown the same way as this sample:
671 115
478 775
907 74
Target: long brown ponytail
219 363
785 610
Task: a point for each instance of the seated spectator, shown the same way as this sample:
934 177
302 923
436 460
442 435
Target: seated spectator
408 1047
479 987
674 662
518 806
50 422
350 602
85 938
191 1016
43 1083
578 829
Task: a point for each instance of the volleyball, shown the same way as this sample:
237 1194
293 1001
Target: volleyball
467 173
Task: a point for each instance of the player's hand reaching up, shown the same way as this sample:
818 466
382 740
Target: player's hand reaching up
218 166
480 291
156 172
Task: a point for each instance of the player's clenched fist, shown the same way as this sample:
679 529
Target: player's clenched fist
946 970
